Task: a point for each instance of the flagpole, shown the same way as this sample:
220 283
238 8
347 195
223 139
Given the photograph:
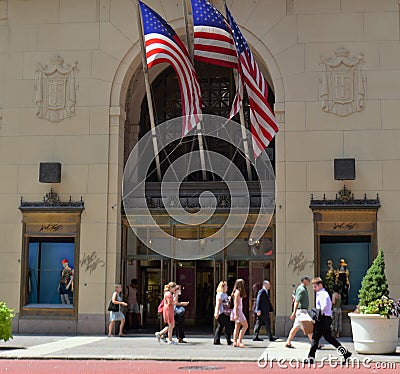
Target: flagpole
190 43
148 90
244 132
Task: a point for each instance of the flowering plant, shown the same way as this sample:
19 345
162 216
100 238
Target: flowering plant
384 306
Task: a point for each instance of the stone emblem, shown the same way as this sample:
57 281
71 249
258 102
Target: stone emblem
56 90
342 85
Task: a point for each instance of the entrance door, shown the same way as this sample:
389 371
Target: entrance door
151 289
258 272
205 287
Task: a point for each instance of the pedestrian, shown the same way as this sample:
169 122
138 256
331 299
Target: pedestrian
117 316
299 314
263 310
133 305
179 312
241 325
323 321
168 312
256 287
336 312
222 314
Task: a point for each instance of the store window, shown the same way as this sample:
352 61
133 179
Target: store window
51 271
50 257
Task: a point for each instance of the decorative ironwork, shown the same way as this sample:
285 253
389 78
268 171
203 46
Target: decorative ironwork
52 201
344 199
223 202
218 91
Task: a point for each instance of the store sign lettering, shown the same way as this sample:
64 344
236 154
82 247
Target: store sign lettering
51 227
345 226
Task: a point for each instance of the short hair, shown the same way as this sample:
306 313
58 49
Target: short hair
316 280
305 277
265 282
118 285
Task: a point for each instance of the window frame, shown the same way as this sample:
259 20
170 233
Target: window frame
68 226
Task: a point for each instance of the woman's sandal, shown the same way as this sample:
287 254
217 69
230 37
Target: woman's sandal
289 346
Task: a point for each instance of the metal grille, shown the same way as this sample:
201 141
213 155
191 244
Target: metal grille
218 91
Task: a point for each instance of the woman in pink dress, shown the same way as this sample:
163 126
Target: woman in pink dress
168 312
241 325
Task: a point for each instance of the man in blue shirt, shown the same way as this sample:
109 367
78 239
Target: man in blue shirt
263 310
323 323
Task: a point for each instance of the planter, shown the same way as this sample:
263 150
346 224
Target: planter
373 334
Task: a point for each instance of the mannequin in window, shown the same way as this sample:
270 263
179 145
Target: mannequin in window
66 285
342 281
330 277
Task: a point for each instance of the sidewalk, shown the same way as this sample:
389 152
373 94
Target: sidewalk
146 347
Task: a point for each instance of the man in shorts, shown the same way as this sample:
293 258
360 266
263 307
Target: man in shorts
300 307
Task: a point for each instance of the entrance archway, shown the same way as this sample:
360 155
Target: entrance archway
138 260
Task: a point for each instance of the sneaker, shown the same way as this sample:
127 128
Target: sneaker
172 342
158 336
164 338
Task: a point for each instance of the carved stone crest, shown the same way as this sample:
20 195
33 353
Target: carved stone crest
56 90
342 85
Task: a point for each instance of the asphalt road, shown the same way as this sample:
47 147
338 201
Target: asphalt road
129 366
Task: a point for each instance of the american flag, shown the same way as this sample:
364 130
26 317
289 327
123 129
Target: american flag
264 125
163 45
213 41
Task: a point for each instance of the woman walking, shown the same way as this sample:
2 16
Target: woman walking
336 312
117 316
237 315
179 312
222 313
168 312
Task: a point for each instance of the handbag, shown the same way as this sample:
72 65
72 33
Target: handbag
113 307
179 310
227 309
161 307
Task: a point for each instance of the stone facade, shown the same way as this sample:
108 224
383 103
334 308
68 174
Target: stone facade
288 36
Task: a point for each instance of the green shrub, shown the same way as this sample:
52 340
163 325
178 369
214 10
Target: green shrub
374 284
6 316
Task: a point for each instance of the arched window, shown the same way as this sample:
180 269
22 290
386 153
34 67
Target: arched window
218 91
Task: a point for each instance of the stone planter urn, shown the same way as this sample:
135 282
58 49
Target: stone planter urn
374 334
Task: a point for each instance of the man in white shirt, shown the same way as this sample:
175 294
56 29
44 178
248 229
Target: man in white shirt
322 326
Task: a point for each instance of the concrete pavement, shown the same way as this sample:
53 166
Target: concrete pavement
146 347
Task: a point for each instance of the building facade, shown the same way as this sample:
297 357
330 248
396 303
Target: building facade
73 106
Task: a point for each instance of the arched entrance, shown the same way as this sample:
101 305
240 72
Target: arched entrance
240 259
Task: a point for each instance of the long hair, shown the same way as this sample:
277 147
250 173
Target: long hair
221 286
239 285
256 287
168 286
